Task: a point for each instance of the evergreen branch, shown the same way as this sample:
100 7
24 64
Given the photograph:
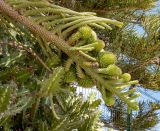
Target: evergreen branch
52 107
18 107
67 18
111 88
21 46
52 84
29 50
64 46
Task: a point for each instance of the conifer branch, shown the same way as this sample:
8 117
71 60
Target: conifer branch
75 55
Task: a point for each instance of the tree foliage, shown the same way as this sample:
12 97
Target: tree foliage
34 62
45 48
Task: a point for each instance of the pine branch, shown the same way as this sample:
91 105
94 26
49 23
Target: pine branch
64 46
28 50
